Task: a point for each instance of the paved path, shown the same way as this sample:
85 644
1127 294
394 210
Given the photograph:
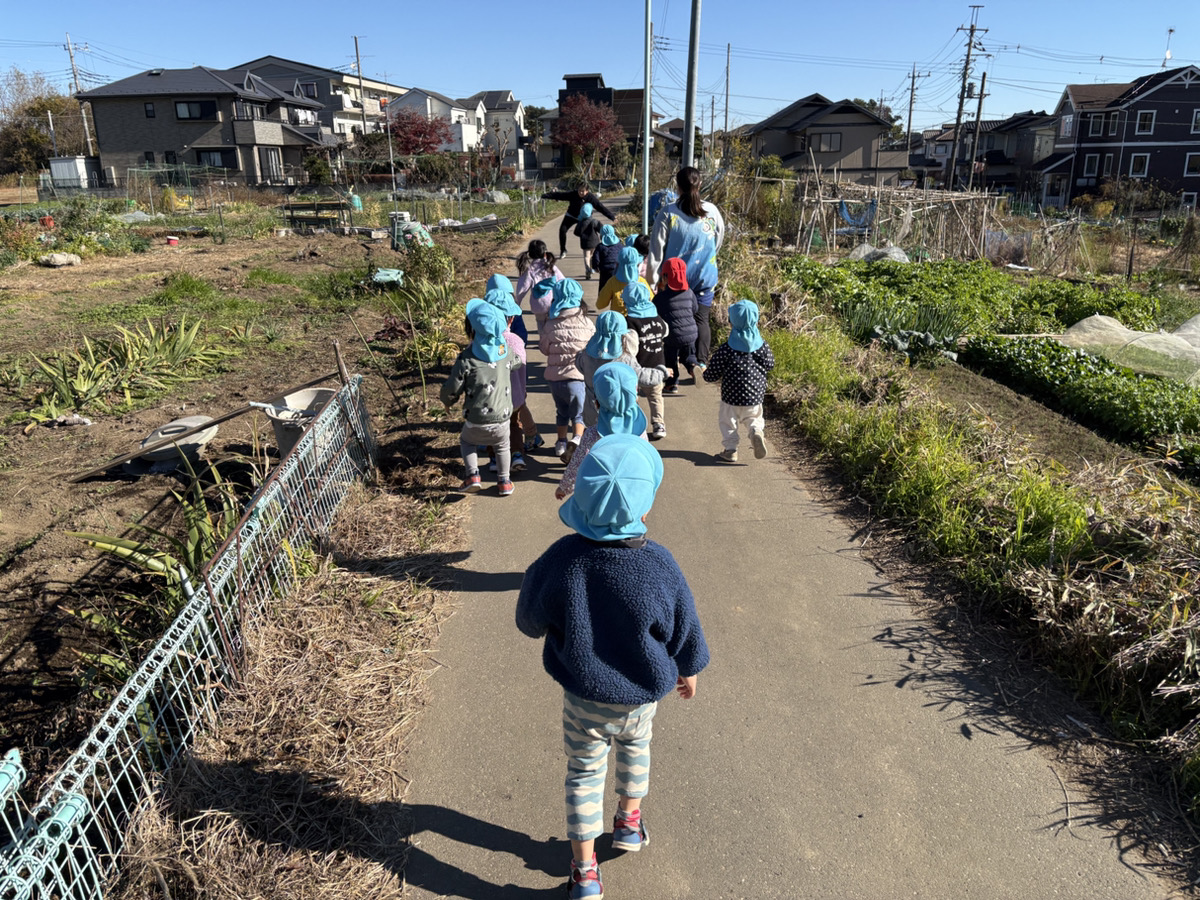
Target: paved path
829 753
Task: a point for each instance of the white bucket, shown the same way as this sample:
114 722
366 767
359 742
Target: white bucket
295 413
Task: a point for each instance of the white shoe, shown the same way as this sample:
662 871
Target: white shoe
560 448
759 443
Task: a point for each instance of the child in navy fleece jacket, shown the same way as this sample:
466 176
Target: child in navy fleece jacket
620 631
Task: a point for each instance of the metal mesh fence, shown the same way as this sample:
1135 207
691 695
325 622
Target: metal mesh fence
69 844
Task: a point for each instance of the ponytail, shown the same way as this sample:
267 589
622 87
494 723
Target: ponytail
688 182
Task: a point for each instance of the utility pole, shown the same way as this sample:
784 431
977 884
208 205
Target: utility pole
362 95
725 137
712 121
75 71
646 100
962 94
689 107
975 139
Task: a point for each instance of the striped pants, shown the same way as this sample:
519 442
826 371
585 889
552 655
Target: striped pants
588 732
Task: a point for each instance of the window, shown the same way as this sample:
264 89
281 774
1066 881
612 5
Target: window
196 109
1191 168
990 142
1139 165
1188 199
1066 126
169 157
149 108
1096 124
309 89
1145 122
222 158
1196 121
245 110
149 157
270 164
827 143
1112 122
940 149
1108 164
1091 164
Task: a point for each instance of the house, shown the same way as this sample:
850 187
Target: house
504 126
1004 156
232 120
344 98
467 117
627 103
836 137
1147 129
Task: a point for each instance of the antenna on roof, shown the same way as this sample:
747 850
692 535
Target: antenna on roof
1167 56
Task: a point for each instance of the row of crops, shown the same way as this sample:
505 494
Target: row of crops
945 303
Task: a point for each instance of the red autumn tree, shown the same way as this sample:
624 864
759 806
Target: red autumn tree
587 129
415 134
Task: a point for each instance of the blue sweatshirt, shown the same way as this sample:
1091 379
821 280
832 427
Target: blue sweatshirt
619 620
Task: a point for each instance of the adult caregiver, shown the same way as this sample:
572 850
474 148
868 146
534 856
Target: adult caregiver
576 200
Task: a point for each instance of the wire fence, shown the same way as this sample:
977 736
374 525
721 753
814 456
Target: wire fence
68 846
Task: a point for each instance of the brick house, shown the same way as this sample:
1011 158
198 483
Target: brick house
249 128
1148 129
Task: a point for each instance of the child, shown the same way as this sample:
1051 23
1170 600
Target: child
482 375
567 332
741 365
604 260
534 265
615 386
610 296
677 305
620 630
651 330
641 243
588 232
521 425
500 282
612 341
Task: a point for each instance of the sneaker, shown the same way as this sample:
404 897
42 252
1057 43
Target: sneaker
505 488
759 443
572 446
518 463
563 254
670 389
629 832
472 484
560 448
585 883
729 456
698 373
658 432
588 276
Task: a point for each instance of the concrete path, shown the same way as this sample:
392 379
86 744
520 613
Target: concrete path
831 751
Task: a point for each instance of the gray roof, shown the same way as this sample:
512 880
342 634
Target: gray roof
494 100
449 101
199 80
808 111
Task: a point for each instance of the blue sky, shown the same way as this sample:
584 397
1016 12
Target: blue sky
780 51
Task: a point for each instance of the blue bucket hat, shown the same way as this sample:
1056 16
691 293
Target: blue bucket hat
503 302
608 341
608 236
638 302
488 325
568 294
615 487
543 287
629 239
743 326
615 387
627 265
502 282
585 211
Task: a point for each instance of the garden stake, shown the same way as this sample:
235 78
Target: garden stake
379 369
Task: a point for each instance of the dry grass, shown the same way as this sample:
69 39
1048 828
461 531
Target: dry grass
299 791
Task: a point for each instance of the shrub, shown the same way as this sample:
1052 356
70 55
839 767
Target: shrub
431 264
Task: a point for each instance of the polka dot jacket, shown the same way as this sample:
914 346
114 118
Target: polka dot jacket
743 376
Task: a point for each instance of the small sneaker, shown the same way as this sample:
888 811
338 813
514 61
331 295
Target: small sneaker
572 446
585 883
518 463
698 373
658 432
505 488
629 832
670 389
560 448
588 276
532 443
729 456
472 484
759 443
563 255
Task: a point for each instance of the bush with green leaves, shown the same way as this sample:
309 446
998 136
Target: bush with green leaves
430 264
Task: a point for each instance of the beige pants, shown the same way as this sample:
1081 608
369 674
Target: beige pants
654 399
730 417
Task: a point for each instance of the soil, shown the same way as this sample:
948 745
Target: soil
44 572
